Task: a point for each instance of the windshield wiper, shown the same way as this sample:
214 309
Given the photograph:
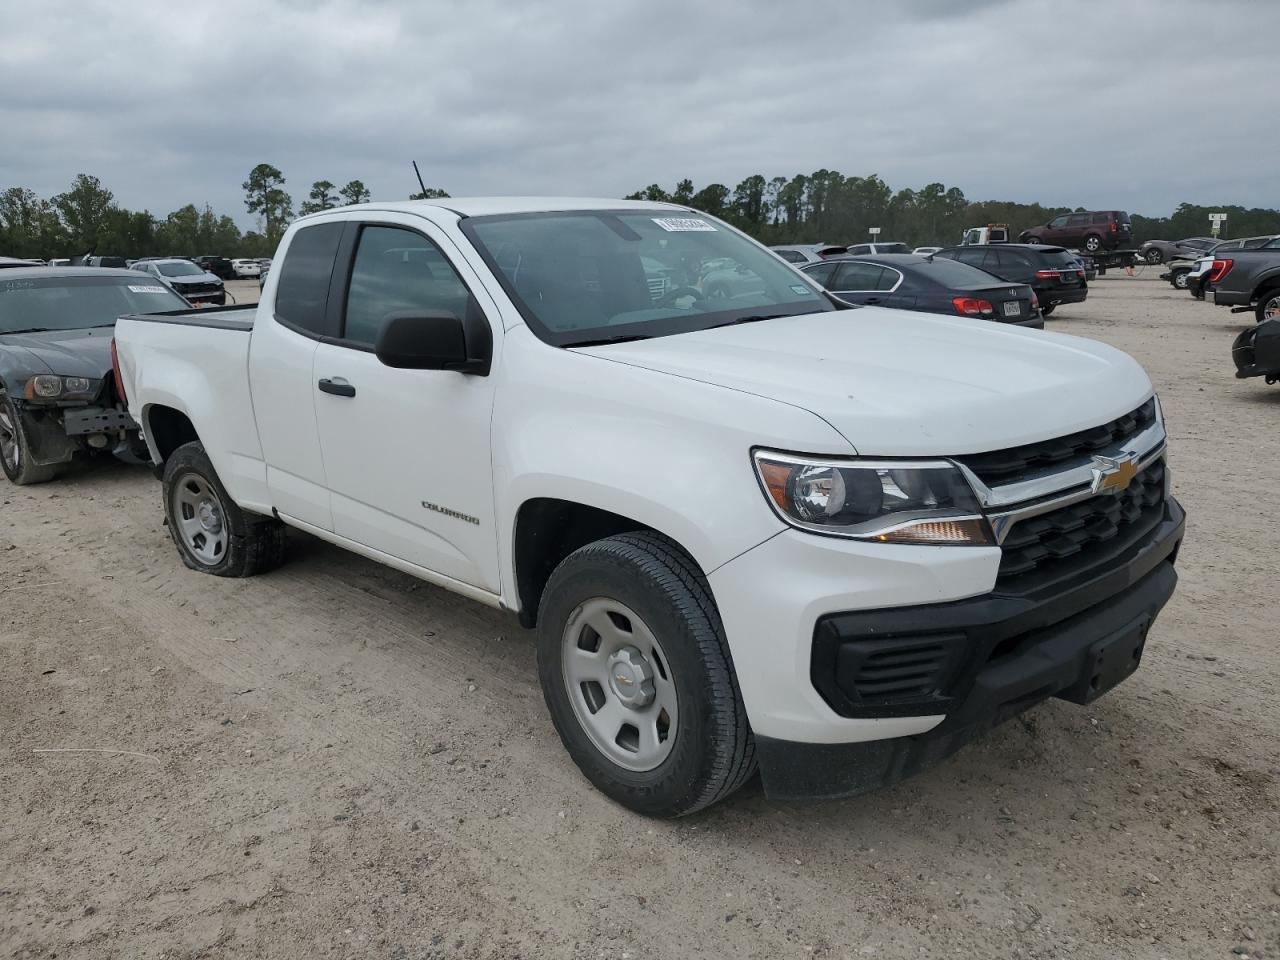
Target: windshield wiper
625 338
754 318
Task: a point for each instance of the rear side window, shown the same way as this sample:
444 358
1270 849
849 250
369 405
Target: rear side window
975 258
398 273
1102 218
302 292
791 256
859 276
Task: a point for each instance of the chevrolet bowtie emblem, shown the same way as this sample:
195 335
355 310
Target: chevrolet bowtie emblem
1114 474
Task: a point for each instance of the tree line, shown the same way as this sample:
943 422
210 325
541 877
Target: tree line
822 207
828 207
87 219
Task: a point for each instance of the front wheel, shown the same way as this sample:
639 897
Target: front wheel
636 673
1269 305
212 533
1180 279
15 450
1154 257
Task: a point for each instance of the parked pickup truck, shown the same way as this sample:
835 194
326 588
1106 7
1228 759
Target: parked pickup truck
752 528
1248 280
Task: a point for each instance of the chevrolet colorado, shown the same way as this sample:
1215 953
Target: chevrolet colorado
752 526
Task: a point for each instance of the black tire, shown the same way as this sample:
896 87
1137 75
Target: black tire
1047 309
713 752
1179 279
1154 256
1093 243
1033 240
252 544
15 449
1268 305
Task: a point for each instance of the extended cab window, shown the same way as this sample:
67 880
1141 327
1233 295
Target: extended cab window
398 273
302 293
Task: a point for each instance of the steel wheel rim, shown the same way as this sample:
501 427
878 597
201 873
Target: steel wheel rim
619 682
200 517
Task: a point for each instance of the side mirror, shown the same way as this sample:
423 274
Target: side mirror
435 340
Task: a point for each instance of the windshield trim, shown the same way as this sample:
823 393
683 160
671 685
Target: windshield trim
644 329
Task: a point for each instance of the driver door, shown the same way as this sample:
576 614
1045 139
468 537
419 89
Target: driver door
407 453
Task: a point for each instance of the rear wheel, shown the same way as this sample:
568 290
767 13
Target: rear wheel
637 676
1093 243
15 451
1154 256
214 535
1047 309
1269 305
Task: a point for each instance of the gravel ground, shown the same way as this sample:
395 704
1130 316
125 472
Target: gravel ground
336 760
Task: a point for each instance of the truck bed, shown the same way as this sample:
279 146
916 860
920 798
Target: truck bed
218 318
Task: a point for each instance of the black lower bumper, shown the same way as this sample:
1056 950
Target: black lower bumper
1063 295
1075 644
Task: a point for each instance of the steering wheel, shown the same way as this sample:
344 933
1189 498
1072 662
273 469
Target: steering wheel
668 299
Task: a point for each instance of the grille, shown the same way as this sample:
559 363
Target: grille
1019 463
657 287
198 288
1085 534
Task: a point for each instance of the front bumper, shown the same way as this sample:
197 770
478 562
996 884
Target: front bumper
57 432
1074 641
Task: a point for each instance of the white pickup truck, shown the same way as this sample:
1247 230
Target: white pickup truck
753 526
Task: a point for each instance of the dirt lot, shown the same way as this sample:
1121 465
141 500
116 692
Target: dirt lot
337 760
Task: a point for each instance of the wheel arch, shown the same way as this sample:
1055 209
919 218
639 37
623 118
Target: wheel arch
166 428
548 529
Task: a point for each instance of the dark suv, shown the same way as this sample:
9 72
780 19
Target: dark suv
1052 272
1093 231
220 267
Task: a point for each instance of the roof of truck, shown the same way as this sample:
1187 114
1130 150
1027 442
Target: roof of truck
486 206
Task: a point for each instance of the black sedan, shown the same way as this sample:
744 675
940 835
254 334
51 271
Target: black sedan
187 278
906 281
1052 272
57 393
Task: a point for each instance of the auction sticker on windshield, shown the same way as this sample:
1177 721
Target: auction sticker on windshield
683 224
146 288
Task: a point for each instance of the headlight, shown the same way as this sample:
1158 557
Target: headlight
880 500
44 387
48 387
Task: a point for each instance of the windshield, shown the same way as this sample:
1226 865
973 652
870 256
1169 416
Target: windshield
73 303
585 277
180 269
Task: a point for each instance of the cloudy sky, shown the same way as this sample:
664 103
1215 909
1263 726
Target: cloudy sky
1136 105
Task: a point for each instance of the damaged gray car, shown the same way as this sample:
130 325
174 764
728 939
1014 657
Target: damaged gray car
58 397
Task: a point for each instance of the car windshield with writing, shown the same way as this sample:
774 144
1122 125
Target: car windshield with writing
74 303
601 276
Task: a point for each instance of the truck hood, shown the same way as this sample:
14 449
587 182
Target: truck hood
68 353
902 383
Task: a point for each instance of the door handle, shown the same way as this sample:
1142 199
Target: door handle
337 386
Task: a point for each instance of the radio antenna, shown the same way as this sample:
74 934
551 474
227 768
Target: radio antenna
418 173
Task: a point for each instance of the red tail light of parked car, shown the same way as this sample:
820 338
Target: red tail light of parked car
115 375
1219 270
972 307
